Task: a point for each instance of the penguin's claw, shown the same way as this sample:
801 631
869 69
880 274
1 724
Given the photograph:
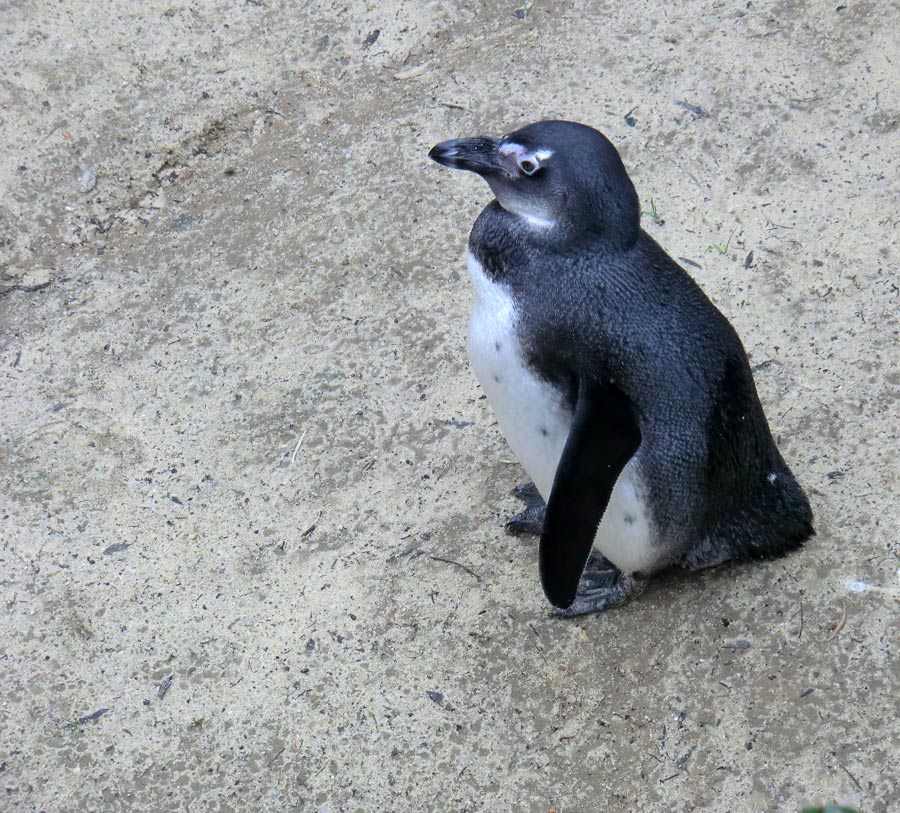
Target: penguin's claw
531 520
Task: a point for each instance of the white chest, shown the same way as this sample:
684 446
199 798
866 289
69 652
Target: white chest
530 412
536 422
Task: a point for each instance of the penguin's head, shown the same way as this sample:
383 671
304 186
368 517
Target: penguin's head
554 175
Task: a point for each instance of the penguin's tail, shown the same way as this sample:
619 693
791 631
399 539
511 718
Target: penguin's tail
782 521
777 521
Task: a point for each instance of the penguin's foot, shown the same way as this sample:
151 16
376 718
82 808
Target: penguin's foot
599 590
531 520
599 573
528 493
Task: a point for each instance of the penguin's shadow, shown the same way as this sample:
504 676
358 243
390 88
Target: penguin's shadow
724 580
676 580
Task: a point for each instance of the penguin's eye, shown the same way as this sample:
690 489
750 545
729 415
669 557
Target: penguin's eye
528 166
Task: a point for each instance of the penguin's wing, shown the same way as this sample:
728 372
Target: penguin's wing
605 434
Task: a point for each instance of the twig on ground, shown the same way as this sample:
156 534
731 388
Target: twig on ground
457 564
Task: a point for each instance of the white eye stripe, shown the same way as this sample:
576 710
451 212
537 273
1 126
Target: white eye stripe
521 152
511 148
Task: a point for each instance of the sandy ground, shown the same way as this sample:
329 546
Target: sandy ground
251 499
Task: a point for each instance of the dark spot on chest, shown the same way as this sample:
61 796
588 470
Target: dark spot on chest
496 378
497 346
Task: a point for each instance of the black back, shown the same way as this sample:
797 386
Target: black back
601 299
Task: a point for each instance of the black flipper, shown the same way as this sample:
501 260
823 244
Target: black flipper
604 436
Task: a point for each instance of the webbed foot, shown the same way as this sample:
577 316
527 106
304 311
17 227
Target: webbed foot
531 520
599 589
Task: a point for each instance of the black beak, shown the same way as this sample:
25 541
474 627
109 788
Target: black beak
474 154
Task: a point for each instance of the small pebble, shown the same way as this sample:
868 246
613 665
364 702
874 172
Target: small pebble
88 180
694 109
164 686
734 646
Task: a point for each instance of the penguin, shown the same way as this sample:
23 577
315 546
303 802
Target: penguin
622 390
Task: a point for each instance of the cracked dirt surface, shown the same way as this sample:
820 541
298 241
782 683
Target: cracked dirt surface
251 500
